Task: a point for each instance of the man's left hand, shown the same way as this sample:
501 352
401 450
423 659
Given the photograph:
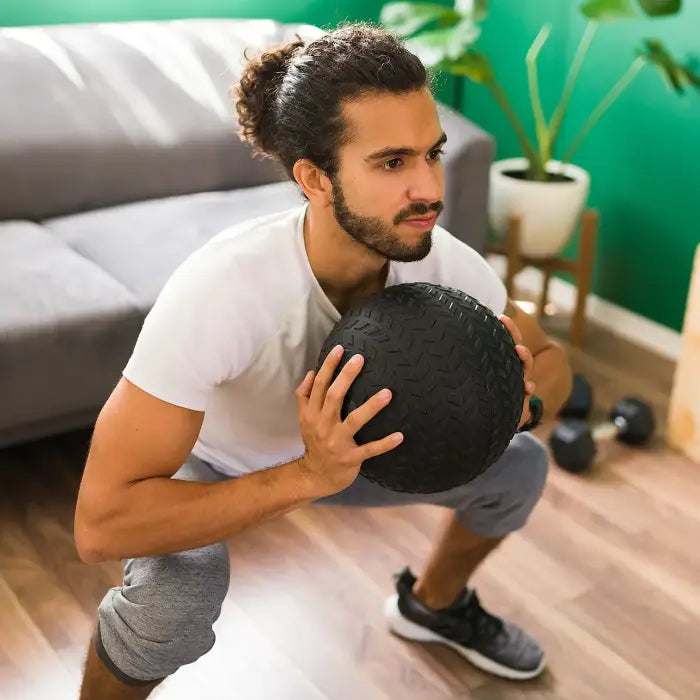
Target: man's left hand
528 364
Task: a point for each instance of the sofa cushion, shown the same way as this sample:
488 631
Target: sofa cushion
66 327
141 244
98 114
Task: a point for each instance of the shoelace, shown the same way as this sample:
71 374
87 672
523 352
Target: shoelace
486 625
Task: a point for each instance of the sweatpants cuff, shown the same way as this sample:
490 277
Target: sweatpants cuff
119 675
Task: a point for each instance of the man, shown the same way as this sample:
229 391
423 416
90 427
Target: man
217 385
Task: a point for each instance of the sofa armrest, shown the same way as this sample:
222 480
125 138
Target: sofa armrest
468 156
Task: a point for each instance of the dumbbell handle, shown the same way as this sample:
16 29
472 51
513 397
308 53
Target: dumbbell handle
609 430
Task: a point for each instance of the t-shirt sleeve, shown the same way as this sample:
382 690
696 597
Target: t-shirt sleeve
193 338
464 268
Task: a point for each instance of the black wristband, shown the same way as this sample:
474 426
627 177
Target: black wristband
536 411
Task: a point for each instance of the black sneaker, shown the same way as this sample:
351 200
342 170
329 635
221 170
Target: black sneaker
491 644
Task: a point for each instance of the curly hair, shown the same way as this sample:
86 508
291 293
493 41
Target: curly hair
289 98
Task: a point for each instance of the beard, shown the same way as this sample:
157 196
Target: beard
379 237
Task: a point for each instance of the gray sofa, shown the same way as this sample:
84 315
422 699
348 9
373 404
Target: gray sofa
118 158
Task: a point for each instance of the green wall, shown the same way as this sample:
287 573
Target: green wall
644 155
22 12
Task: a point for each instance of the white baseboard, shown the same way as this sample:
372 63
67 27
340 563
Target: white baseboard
621 321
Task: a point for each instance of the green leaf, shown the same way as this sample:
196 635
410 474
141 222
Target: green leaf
660 8
473 65
444 45
472 9
406 18
608 10
676 76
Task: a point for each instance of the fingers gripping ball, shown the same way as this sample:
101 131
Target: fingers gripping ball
455 377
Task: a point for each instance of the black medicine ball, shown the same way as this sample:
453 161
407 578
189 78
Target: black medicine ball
456 382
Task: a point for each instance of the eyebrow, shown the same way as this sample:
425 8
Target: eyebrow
403 151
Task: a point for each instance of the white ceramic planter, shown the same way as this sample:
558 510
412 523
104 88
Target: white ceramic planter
548 211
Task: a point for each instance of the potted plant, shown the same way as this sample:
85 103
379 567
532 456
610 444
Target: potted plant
546 190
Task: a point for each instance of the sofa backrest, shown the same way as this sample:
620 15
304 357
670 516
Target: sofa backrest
98 114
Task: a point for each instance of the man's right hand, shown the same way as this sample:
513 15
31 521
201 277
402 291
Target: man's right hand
332 459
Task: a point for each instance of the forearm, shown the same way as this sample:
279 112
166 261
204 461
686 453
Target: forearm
162 515
553 379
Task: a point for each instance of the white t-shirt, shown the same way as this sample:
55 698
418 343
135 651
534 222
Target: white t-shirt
243 319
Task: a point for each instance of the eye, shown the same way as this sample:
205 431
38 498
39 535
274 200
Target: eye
392 164
436 153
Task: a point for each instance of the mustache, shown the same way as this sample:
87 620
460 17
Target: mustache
418 209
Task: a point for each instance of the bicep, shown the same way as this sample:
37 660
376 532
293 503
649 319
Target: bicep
137 436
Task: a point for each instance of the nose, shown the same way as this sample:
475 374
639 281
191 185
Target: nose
427 184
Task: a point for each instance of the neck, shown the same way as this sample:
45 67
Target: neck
345 269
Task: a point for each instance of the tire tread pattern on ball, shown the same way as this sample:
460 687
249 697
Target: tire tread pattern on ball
457 384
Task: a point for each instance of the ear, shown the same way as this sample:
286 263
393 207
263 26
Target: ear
314 182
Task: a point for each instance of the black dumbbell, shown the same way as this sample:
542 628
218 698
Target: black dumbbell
580 401
574 443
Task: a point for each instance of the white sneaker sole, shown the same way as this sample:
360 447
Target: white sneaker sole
409 630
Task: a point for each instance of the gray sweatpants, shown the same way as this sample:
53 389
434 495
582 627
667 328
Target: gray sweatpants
161 617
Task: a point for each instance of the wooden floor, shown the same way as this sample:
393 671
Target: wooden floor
606 575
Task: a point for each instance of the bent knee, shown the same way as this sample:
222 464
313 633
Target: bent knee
141 654
162 617
509 490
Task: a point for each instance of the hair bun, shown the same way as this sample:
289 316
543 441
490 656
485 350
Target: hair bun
256 91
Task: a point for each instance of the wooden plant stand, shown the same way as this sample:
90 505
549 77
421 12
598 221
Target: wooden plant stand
581 267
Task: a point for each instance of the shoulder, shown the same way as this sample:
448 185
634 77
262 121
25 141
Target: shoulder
216 310
256 259
237 288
